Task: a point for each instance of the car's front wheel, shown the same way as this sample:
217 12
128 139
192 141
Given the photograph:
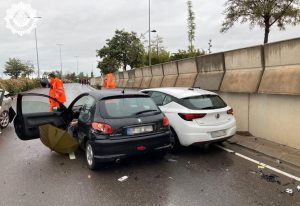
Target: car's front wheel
4 119
90 158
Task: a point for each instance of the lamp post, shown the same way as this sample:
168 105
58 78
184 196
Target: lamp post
36 45
77 63
60 58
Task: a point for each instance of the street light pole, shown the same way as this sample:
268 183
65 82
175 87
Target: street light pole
37 53
60 58
149 49
77 63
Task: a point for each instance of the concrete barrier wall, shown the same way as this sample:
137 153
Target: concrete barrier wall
138 78
131 78
187 70
121 80
125 80
282 72
157 76
244 68
170 71
211 70
147 76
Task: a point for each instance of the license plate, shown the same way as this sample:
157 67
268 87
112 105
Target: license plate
139 130
218 133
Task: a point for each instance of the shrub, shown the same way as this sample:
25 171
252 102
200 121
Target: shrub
15 86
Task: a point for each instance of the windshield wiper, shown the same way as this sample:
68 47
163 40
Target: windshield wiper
145 111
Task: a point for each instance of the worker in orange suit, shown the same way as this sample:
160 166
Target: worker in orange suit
110 81
57 91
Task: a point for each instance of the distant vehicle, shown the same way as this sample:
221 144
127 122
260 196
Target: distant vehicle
7 113
196 116
112 125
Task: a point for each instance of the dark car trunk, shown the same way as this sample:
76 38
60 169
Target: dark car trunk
122 127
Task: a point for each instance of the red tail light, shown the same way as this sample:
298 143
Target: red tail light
190 117
103 128
166 122
230 111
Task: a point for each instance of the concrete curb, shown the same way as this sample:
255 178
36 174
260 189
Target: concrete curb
274 150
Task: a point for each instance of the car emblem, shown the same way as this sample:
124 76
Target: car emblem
139 120
217 116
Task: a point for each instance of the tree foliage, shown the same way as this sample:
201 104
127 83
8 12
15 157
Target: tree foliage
124 49
191 26
264 13
15 68
183 54
108 65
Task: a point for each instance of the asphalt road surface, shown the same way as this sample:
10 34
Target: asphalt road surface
32 175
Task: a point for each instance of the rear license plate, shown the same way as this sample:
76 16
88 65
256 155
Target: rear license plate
218 133
139 130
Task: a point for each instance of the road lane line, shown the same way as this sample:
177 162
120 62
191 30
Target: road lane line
260 163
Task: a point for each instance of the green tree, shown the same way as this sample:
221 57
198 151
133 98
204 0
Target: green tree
183 54
70 76
264 13
108 65
14 68
29 69
191 26
124 48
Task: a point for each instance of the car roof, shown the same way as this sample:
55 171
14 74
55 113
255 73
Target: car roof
100 94
181 92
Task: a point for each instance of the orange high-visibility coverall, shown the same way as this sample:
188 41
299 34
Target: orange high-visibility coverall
57 92
110 84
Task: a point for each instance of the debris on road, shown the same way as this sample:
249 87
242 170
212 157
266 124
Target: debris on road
290 191
172 160
298 188
171 178
270 178
89 176
261 166
278 161
72 156
122 179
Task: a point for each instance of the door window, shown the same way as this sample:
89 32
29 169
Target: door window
158 98
167 100
87 109
35 104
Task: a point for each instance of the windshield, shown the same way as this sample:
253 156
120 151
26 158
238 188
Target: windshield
128 107
204 102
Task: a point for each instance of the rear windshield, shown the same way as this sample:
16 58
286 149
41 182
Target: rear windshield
128 107
204 102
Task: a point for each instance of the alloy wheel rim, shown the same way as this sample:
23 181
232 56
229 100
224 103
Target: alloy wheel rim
89 155
5 119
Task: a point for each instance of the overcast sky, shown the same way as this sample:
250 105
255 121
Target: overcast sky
84 25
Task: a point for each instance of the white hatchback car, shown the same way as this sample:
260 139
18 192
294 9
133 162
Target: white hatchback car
195 115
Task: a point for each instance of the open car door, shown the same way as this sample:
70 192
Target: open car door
33 112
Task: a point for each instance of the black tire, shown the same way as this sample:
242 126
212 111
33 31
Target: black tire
89 156
5 121
176 146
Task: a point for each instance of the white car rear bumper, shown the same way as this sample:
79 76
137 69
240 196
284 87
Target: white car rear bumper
190 134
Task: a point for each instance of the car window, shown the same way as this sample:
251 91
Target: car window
167 100
35 104
158 98
128 107
204 102
87 110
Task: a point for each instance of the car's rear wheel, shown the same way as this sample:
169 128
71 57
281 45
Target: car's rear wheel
4 119
90 158
176 146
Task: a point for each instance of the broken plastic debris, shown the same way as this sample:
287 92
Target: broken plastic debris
261 166
270 177
289 191
89 176
298 188
171 178
72 156
122 179
278 161
172 160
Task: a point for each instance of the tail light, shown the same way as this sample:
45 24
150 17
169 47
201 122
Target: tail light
166 122
230 111
190 117
103 128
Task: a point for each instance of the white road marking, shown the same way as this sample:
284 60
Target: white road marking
260 163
